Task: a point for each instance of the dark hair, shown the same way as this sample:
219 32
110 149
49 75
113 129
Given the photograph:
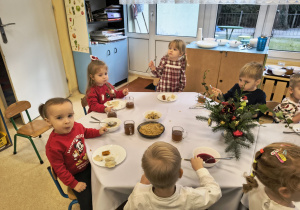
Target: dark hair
271 172
43 108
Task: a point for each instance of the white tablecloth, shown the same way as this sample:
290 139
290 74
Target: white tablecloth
110 187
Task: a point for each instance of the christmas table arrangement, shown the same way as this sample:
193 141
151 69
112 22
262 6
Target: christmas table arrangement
235 118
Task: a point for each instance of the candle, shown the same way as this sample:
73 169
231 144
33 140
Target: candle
199 34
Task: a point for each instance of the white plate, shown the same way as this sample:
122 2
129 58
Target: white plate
168 97
116 151
111 119
207 44
296 128
149 112
120 105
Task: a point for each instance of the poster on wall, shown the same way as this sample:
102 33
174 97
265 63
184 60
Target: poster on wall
76 18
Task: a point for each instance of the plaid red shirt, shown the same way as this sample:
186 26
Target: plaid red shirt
171 74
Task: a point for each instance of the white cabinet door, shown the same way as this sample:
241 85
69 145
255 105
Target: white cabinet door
32 53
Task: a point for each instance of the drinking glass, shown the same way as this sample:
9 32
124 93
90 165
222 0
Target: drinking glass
129 127
130 102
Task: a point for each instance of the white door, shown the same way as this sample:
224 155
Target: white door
32 53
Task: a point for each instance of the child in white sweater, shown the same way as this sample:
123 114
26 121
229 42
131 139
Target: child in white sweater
161 163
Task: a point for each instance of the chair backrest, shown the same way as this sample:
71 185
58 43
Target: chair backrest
17 108
272 104
84 103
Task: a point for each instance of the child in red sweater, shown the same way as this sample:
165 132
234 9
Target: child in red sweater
99 90
65 148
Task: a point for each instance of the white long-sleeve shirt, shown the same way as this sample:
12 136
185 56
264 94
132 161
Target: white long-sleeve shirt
209 192
257 199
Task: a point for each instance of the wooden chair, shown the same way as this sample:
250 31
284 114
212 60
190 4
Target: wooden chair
84 103
30 130
70 194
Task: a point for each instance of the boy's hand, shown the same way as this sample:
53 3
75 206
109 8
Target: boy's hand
80 187
216 91
108 109
197 163
125 91
144 180
151 65
102 130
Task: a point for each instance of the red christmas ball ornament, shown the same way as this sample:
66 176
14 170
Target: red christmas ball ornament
237 133
233 118
245 98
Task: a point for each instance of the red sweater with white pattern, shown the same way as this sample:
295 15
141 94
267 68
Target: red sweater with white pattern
98 95
67 153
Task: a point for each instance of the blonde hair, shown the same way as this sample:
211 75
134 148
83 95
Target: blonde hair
294 80
161 163
43 108
92 69
178 44
252 70
271 172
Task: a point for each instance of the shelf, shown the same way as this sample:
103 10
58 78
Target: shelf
105 21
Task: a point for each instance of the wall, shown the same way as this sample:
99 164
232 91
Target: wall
63 35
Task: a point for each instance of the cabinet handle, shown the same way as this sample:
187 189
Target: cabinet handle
108 52
115 50
226 54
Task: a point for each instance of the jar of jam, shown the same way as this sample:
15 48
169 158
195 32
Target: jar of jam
112 114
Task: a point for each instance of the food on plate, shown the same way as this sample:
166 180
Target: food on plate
173 96
113 103
109 159
98 158
110 162
152 116
151 129
105 153
205 158
163 97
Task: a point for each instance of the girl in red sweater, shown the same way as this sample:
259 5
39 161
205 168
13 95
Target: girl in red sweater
99 90
65 148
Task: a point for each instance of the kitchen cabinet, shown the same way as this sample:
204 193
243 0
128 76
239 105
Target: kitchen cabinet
114 53
223 62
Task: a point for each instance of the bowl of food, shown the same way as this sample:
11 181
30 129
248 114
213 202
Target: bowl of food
278 71
234 43
152 115
112 124
151 130
206 153
222 42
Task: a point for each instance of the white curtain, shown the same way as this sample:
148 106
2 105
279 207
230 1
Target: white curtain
260 2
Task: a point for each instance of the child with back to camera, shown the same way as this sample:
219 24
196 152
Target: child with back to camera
157 189
171 69
249 79
99 90
274 183
65 148
290 106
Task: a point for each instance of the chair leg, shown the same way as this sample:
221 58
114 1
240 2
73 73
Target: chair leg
37 153
15 144
71 204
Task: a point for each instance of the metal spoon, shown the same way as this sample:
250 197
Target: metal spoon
226 158
110 123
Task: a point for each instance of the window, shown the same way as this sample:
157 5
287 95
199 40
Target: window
286 29
236 21
138 18
177 19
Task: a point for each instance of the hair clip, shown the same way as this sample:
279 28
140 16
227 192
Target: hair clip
279 156
284 152
255 161
94 58
252 175
261 151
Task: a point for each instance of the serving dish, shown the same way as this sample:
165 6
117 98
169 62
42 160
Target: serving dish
150 136
234 43
207 150
152 113
167 97
207 44
222 42
116 151
278 72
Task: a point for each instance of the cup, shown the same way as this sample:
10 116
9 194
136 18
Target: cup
111 114
200 98
177 133
129 127
130 102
